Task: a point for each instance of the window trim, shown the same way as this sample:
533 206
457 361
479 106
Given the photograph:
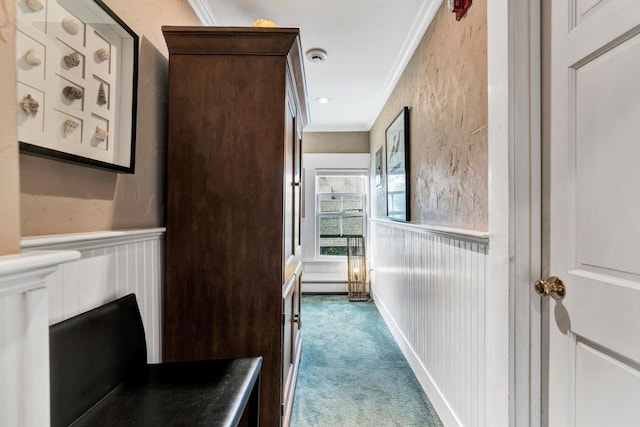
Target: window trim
364 174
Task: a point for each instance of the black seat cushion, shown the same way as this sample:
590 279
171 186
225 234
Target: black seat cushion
202 393
91 354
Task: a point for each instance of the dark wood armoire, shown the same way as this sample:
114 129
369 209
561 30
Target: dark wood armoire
237 107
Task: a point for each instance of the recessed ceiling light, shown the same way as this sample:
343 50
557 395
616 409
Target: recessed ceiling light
323 100
317 55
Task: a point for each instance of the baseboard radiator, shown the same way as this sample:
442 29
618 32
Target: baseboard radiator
429 285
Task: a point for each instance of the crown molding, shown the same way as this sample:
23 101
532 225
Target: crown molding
204 12
414 37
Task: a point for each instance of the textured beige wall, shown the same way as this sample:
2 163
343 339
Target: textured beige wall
445 87
59 197
9 177
335 142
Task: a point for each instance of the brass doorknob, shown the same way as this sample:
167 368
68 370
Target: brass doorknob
553 286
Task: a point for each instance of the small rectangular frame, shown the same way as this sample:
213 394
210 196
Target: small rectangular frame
378 165
397 148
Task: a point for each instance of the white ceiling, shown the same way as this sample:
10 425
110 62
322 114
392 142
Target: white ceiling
368 43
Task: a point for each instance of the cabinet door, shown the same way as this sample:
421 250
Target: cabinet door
288 343
297 320
297 176
289 165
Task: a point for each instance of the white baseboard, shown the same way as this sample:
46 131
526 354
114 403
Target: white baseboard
442 407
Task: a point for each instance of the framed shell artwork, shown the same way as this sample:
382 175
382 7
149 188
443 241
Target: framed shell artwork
77 66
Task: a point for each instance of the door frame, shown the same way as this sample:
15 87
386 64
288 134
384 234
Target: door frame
513 341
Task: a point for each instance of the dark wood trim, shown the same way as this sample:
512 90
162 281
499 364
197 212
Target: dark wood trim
217 40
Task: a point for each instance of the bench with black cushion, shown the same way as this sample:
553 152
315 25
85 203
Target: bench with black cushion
100 377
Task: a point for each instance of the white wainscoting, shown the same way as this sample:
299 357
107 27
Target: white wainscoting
112 264
24 336
429 284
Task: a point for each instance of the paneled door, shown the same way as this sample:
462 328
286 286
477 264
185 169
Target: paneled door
594 243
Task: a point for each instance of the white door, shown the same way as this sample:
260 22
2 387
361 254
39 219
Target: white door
594 332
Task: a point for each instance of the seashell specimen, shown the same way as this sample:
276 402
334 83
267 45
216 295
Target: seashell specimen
72 93
35 5
32 57
29 105
71 60
103 54
102 96
71 26
100 134
70 126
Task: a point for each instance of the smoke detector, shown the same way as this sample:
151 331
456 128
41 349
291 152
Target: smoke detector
317 55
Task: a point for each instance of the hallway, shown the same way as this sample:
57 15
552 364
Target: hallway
352 372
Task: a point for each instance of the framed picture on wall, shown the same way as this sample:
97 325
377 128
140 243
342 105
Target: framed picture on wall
77 66
397 148
379 171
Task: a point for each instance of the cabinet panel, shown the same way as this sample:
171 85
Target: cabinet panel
288 344
297 154
289 248
297 315
291 341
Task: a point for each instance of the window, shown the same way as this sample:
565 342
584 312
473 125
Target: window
340 209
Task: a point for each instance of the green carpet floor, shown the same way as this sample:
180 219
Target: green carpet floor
352 372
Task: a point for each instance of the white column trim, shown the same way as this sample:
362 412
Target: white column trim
525 339
24 336
26 271
513 333
499 264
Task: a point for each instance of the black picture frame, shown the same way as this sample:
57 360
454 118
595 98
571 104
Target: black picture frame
397 167
102 131
379 165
